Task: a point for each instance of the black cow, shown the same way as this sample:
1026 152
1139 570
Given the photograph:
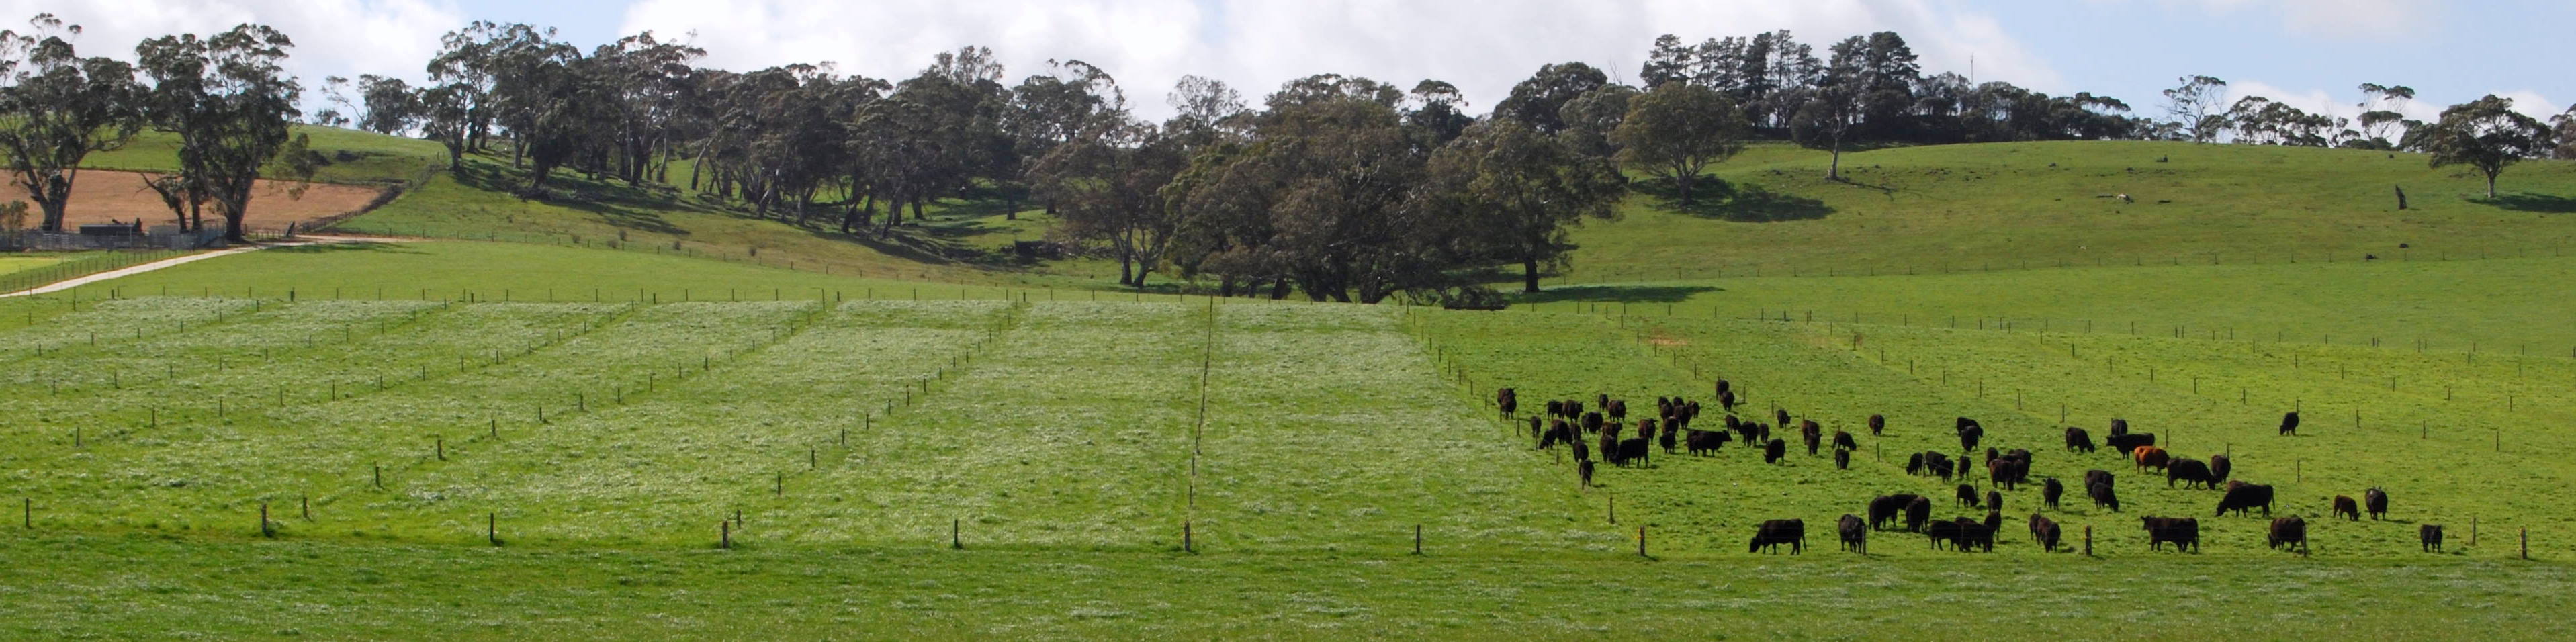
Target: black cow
1584 469
2290 423
1964 423
2219 467
1887 508
2189 471
2242 496
1618 409
2007 471
2432 537
1812 433
1726 400
2182 532
1994 500
1844 441
1669 437
2289 531
1774 450
1592 422
1555 408
1967 495
1633 451
2103 496
1610 449
2043 532
1877 424
1703 442
2344 507
1969 435
2078 440
2124 443
1780 531
1582 452
1842 459
2098 476
2375 501
1508 400
1973 534
1855 534
1914 464
2119 427
1916 512
1782 417
2049 491
1939 463
1945 530
1723 387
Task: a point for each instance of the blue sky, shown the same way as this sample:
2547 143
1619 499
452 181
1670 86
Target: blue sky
2311 53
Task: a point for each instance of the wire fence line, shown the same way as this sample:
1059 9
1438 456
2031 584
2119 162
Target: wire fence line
1613 278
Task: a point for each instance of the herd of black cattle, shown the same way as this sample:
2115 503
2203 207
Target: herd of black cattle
1568 423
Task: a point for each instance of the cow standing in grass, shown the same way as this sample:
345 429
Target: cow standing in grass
1855 534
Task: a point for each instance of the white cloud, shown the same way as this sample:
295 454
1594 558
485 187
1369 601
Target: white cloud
1483 46
332 37
2333 18
2532 104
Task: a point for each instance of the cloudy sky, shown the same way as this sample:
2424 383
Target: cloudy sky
2311 53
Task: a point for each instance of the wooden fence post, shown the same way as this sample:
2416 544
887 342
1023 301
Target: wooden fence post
492 528
1417 539
955 540
2088 541
1641 541
725 535
1187 545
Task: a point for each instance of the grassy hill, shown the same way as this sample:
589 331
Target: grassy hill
2016 205
351 156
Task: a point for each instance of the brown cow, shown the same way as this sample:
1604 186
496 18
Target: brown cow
2345 507
1812 433
2220 466
1508 400
2151 457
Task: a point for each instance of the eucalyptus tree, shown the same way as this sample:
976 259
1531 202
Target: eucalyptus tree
229 100
2487 135
1676 130
56 108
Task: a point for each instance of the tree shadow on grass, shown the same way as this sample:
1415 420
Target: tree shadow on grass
1625 293
337 248
587 196
2529 202
1737 202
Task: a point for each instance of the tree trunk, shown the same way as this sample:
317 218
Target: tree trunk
2491 176
1684 179
1835 173
1529 276
1126 271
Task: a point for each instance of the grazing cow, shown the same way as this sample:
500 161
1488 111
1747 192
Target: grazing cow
1584 469
1780 531
1555 408
1914 464
2375 501
1750 431
1646 428
1690 411
2345 507
2103 496
1610 449
1726 400
1633 451
2129 443
2043 532
1968 495
2007 471
1940 465
1916 512
1994 500
2119 427
1969 436
2219 467
2432 537
1855 534
1667 438
1978 535
1945 530
1723 387
1781 416
1774 450
1812 433
2098 476
2049 491
1877 424
2290 423
1592 422
1704 442
1560 432
2182 532
2241 497
1508 400
2189 471
2151 457
1844 441
1581 452
1618 409
1887 508
1573 409
2289 531
1842 459
1537 428
2078 440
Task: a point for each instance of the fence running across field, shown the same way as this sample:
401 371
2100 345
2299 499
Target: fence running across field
806 457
